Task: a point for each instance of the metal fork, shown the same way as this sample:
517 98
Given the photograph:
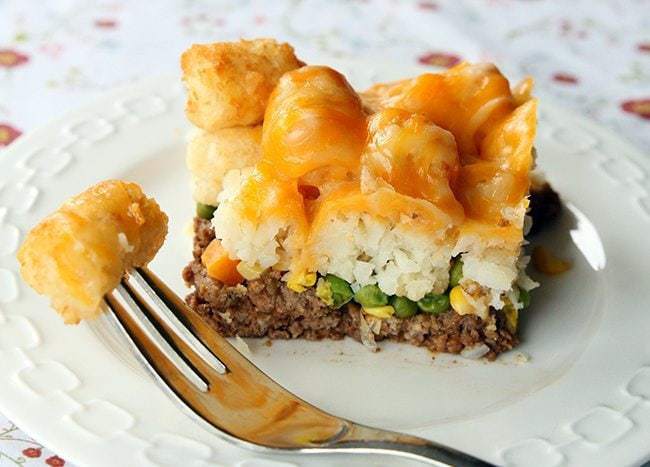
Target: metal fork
231 397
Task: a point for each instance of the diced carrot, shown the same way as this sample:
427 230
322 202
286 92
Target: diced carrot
219 265
547 263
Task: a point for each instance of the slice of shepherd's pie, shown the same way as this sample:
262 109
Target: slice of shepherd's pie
395 213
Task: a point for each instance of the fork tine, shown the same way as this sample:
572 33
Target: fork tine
139 329
218 346
137 284
244 401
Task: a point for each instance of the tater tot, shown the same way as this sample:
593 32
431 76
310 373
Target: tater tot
314 120
79 253
229 83
211 155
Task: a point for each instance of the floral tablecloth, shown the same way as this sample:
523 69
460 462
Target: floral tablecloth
593 56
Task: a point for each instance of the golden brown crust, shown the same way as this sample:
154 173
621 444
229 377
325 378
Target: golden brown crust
211 155
229 83
80 252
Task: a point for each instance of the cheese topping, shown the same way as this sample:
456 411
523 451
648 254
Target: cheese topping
445 152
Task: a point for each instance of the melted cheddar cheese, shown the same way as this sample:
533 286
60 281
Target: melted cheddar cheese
313 120
412 156
440 151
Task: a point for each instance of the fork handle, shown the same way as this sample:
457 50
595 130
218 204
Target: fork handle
361 439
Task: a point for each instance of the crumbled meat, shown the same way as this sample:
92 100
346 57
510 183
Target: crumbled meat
265 307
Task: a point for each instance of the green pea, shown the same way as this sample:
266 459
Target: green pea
205 211
340 290
524 297
404 308
434 303
455 273
370 296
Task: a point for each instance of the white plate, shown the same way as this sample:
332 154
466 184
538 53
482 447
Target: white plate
582 399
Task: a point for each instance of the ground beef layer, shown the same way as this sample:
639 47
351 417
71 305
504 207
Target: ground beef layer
265 307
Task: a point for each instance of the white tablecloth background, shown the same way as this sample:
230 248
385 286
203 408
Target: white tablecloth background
593 56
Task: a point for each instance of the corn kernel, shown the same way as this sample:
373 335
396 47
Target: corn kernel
381 312
249 271
547 263
512 317
459 301
295 286
301 281
310 279
324 292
